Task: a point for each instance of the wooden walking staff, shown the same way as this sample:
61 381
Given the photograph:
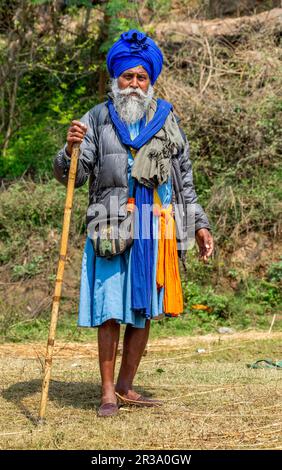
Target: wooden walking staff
59 280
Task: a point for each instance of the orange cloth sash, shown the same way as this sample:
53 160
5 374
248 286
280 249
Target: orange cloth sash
168 275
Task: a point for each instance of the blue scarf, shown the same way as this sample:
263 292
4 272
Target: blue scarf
147 132
142 249
142 257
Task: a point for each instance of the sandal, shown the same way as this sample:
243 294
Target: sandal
140 401
107 409
265 364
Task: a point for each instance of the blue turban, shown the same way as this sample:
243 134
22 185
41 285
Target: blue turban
132 49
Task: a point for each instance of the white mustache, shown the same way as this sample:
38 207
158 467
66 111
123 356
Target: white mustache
129 90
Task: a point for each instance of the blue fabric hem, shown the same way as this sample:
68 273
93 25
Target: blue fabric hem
118 320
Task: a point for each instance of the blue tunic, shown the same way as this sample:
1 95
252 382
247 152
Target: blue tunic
105 286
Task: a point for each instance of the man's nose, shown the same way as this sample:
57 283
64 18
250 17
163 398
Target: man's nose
134 82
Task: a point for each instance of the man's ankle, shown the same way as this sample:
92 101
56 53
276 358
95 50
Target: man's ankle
107 388
122 388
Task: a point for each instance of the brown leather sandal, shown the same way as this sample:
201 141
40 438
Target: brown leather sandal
140 401
107 409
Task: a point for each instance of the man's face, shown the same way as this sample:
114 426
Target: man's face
132 94
137 77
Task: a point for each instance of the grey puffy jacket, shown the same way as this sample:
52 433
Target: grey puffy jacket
104 159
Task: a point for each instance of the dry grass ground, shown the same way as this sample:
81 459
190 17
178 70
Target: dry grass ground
213 401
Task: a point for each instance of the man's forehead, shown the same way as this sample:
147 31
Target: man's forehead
137 69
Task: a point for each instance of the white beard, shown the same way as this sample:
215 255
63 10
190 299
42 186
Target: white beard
131 108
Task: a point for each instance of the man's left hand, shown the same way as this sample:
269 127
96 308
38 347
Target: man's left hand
205 242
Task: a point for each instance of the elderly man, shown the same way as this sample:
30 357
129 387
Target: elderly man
133 149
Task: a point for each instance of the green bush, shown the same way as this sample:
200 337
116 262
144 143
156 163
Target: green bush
274 272
29 210
29 269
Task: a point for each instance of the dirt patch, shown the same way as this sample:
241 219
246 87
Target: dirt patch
256 253
84 350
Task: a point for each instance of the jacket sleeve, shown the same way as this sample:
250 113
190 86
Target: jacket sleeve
87 156
201 220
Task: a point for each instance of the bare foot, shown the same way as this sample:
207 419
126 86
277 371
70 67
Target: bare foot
108 396
130 394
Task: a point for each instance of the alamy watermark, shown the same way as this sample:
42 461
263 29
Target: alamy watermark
145 221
